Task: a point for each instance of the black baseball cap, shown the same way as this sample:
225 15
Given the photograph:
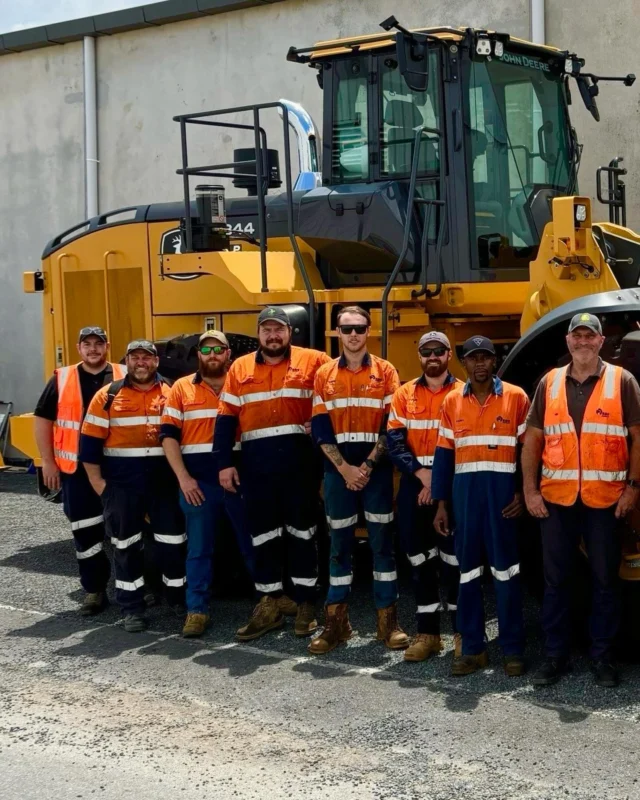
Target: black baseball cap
92 330
585 321
476 343
142 344
275 314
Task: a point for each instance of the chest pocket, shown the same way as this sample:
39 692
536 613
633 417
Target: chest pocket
122 405
375 388
333 387
415 408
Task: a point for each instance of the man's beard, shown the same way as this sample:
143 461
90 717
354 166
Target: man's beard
275 350
434 370
214 369
148 379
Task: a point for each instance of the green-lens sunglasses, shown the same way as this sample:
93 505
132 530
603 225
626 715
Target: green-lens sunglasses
216 349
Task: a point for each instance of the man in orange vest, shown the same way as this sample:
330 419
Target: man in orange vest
58 419
475 465
187 438
121 451
412 433
578 428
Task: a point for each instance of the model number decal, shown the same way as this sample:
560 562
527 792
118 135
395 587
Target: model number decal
239 228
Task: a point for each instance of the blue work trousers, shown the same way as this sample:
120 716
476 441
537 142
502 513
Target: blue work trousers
342 506
561 534
203 525
481 531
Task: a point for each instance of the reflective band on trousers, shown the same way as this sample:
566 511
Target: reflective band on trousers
122 544
265 537
130 422
605 430
425 461
98 421
165 538
448 559
385 576
465 577
485 466
353 402
92 551
341 580
415 561
130 586
308 534
342 523
269 587
68 423
505 574
277 430
430 608
188 449
132 452
86 523
356 437
488 441
174 583
371 517
304 581
66 455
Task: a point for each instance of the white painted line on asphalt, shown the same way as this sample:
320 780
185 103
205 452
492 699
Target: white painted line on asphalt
24 610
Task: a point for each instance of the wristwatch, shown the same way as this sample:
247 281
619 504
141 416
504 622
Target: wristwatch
633 483
371 464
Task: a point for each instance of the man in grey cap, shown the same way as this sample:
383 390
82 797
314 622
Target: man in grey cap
412 434
577 429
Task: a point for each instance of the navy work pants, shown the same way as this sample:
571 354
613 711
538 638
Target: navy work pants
481 531
431 557
561 534
342 506
83 509
203 525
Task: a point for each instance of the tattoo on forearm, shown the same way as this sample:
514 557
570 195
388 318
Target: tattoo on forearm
332 453
380 449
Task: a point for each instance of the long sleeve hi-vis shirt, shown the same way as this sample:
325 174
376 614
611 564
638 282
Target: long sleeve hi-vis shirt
125 438
269 405
350 407
476 438
414 420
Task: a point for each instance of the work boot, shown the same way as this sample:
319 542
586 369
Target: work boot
605 674
389 631
266 617
551 671
422 647
337 629
306 622
466 665
195 624
287 606
135 623
457 645
93 603
514 666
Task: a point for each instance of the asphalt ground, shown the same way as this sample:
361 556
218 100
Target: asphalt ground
86 708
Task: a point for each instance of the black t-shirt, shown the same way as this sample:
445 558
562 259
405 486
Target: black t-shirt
47 406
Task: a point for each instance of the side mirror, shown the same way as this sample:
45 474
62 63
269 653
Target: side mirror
588 92
413 59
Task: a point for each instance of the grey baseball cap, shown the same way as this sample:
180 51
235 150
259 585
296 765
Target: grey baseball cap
273 314
585 320
142 344
434 336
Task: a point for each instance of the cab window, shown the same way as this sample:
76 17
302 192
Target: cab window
350 145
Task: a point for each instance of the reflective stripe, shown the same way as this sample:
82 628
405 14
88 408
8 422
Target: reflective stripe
132 452
344 580
86 523
276 394
560 474
356 437
269 587
560 376
166 538
308 534
447 433
99 421
387 399
465 577
479 441
317 401
423 424
342 523
129 422
448 559
265 537
237 446
201 413
304 581
353 402
122 544
559 429
175 583
63 377
600 475
430 608
505 574
521 429
130 586
92 551
278 430
417 560
173 412
196 448
69 423
66 454
432 553
606 430
230 398
450 607
609 381
485 466
393 417
425 461
385 576
371 517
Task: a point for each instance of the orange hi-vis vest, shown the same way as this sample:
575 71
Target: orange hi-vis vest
595 467
66 428
416 408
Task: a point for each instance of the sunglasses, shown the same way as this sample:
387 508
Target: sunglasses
217 349
433 351
359 329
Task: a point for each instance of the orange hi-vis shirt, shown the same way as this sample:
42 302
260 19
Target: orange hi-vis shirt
66 428
414 421
269 406
350 407
595 465
484 437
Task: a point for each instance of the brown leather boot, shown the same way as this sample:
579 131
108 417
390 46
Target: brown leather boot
266 616
337 629
457 645
389 631
423 647
466 665
306 622
287 606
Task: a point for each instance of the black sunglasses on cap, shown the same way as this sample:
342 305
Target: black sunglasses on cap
92 330
216 349
433 351
359 329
